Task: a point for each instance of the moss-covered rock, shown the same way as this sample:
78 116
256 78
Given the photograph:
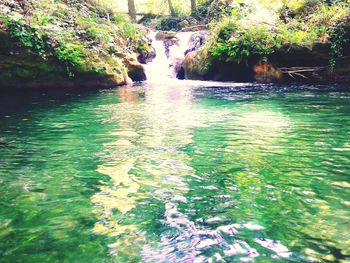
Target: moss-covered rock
135 70
194 68
165 35
20 68
71 43
25 70
293 63
256 40
189 70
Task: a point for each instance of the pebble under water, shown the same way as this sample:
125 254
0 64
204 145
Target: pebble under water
181 172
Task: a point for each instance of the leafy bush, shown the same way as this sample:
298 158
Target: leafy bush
237 44
238 36
202 11
86 36
175 23
168 24
70 53
28 35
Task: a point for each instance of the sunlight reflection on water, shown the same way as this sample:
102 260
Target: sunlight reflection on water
148 137
176 172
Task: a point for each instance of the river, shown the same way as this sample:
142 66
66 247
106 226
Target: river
176 172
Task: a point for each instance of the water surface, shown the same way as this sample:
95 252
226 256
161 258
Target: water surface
176 173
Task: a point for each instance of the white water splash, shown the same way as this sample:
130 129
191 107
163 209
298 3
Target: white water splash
178 50
158 69
162 68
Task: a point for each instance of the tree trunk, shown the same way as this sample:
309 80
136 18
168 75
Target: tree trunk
132 10
171 8
193 6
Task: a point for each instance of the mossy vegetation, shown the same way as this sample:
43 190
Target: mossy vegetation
97 38
248 32
83 37
243 32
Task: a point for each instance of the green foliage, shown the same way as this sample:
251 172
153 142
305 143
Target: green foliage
202 10
300 34
337 41
168 24
28 35
179 9
33 37
130 31
86 36
70 53
237 44
259 28
174 23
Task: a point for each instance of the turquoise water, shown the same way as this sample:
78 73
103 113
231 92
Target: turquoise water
176 173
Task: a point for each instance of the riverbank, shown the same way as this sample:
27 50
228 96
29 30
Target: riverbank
88 44
255 41
68 44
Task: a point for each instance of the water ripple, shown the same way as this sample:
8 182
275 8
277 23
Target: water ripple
177 172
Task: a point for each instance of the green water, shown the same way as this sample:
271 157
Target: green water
176 173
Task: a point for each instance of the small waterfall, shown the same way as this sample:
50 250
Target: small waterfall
164 67
158 69
178 50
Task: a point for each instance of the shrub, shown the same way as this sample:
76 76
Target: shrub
168 24
69 53
239 44
175 23
202 11
28 35
237 36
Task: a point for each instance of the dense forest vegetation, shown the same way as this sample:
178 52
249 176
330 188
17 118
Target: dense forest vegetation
55 41
99 41
291 34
